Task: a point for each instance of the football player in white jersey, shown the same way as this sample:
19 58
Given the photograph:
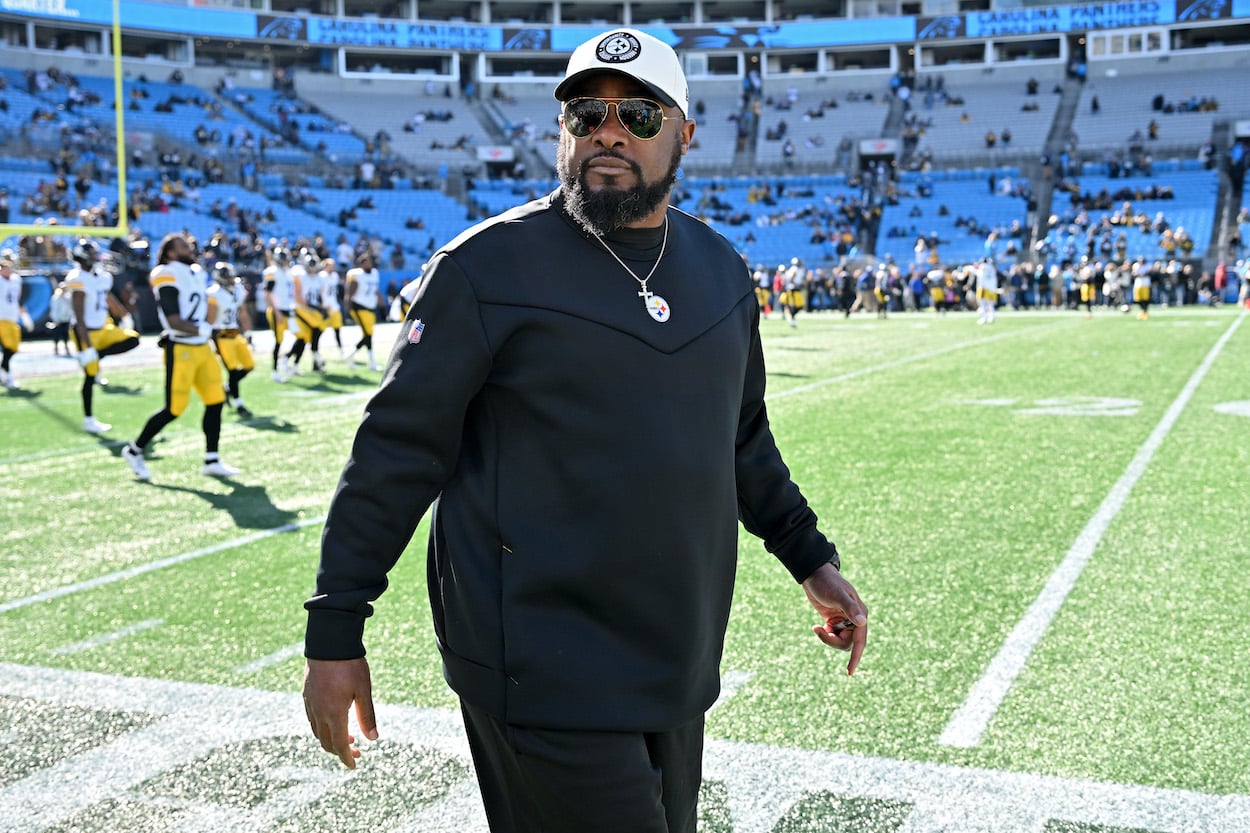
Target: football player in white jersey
1142 287
310 315
95 334
232 332
186 311
331 283
361 295
987 290
404 298
279 289
13 318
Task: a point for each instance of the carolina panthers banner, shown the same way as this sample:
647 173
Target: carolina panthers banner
1088 17
337 31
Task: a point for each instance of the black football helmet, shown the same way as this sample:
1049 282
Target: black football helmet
223 273
85 253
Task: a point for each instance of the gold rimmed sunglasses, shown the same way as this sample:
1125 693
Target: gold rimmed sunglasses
642 117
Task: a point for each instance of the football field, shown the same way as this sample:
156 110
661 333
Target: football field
1048 518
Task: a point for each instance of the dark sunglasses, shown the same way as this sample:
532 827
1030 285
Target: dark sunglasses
642 117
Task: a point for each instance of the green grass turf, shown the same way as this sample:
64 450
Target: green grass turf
950 505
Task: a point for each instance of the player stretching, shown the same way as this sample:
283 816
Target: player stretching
186 311
310 315
95 334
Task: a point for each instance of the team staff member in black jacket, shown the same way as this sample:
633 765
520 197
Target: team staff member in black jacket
579 395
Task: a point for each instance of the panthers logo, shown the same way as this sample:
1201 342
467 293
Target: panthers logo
527 39
940 27
1204 10
283 28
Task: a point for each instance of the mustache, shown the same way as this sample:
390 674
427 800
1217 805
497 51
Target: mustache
609 154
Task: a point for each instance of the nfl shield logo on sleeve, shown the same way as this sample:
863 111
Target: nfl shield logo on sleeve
414 335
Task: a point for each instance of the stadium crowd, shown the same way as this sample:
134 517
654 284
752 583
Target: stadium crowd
1087 258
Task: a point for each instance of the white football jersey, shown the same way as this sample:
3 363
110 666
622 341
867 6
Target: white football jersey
283 287
330 290
10 297
229 300
95 286
987 277
366 291
308 287
189 282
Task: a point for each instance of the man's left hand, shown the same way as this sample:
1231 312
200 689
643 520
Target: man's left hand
845 616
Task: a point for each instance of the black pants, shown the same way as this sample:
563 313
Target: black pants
559 781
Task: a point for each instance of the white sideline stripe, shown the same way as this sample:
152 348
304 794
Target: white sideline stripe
906 360
102 639
987 694
153 566
276 658
762 782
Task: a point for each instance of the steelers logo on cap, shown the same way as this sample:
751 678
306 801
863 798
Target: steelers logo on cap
618 48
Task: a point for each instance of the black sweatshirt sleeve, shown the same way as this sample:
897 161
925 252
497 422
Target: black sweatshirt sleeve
404 451
770 505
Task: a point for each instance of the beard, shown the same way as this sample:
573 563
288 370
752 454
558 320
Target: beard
608 209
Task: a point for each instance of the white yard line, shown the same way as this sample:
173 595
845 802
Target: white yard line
906 360
269 660
761 783
152 566
987 694
102 639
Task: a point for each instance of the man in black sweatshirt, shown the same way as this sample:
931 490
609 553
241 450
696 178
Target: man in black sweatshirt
578 394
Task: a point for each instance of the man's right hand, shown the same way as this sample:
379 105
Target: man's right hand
330 689
86 357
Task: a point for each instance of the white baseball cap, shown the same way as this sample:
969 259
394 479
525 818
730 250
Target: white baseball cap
646 59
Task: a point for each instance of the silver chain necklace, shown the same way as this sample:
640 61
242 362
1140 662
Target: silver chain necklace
656 306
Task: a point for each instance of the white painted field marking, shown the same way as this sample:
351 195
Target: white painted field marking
987 694
99 640
153 566
1234 408
179 441
731 683
1063 405
269 660
932 354
762 783
80 448
1083 406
